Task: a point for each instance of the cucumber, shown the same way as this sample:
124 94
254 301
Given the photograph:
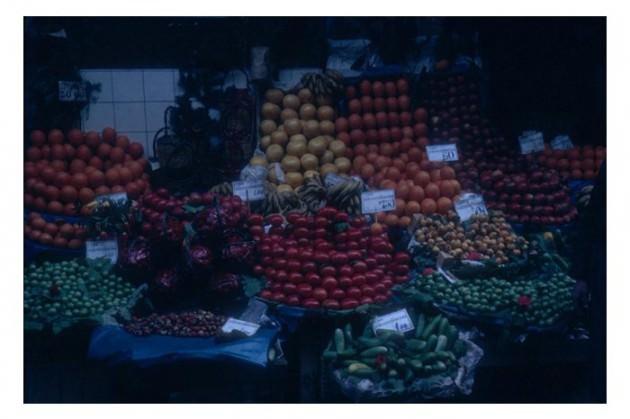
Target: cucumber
442 326
389 335
415 345
364 372
369 361
392 373
441 343
439 367
409 375
401 362
339 341
347 332
356 366
459 348
428 358
452 336
348 362
432 325
416 365
444 356
329 355
369 342
348 353
367 332
431 344
377 350
420 325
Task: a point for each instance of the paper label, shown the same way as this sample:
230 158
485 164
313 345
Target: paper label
531 142
562 142
96 249
470 204
442 152
378 201
114 197
249 190
72 91
242 326
398 321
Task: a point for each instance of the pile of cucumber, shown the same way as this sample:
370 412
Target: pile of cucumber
433 347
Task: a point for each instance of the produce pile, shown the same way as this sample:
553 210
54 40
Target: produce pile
576 163
388 143
196 323
327 260
432 348
65 173
72 290
58 234
539 301
483 237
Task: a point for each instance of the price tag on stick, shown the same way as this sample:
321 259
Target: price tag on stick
442 152
242 326
398 321
561 142
470 204
96 249
531 142
249 190
378 201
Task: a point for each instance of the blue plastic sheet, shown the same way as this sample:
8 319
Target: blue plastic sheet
33 249
114 345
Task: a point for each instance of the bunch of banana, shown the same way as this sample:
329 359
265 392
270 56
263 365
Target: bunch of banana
313 194
584 197
280 202
346 196
328 84
223 189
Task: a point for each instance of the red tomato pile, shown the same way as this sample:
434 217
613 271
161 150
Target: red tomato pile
63 173
326 260
576 163
58 234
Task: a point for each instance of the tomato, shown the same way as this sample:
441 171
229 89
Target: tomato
342 217
327 271
277 251
321 222
310 303
292 217
320 294
329 282
320 233
366 300
341 237
258 270
266 294
313 278
256 231
387 283
321 257
379 288
278 296
275 286
266 250
354 234
289 288
288 243
270 272
371 277
327 212
380 298
378 272
267 260
357 222
304 243
282 276
354 255
280 263
382 258
295 277
331 304
367 291
339 258
276 232
308 267
338 294
304 289
255 220
292 300
401 269
293 265
353 245
291 252
345 281
363 242
349 303
359 267
402 257
400 279
302 233
345 270
306 256
275 220
354 292
371 262
325 247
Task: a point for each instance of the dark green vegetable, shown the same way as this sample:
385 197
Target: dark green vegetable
431 326
420 325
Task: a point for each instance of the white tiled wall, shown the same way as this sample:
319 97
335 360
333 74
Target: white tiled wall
131 101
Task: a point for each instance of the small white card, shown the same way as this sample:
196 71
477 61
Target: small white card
562 142
470 204
96 249
531 142
249 190
378 201
398 321
442 152
242 326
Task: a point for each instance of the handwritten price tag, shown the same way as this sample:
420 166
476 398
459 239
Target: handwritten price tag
242 326
114 197
72 91
398 321
531 142
442 152
562 142
249 190
378 201
97 249
470 204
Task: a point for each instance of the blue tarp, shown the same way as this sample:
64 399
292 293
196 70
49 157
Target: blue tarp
33 249
113 344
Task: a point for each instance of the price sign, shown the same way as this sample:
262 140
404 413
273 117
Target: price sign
72 91
378 201
119 197
249 190
242 326
332 179
561 142
97 249
470 204
531 142
398 321
442 152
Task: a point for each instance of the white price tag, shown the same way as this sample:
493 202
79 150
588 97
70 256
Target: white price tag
442 152
72 91
249 190
114 197
242 326
398 321
96 249
470 204
377 201
332 179
562 142
531 142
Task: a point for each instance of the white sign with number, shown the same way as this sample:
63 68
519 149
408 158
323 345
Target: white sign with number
72 91
398 321
378 201
442 152
242 326
97 249
249 190
562 142
531 142
470 204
